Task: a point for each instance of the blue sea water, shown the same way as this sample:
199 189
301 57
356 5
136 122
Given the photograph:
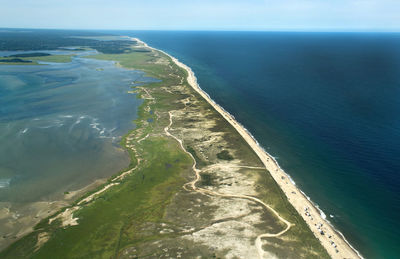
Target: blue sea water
326 105
60 125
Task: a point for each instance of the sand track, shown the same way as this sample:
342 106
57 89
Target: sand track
192 184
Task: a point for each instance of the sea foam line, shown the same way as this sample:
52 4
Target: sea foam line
190 71
323 215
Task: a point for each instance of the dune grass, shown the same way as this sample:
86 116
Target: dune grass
122 216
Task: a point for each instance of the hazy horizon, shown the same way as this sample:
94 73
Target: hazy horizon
234 15
10 29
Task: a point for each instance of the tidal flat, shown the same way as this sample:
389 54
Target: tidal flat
60 127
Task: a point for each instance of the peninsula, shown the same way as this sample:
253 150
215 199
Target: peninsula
198 185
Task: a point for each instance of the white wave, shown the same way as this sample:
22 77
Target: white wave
105 137
46 127
291 180
323 215
22 132
79 120
95 125
66 116
4 183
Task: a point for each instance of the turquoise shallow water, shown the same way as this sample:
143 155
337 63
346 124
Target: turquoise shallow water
60 125
325 105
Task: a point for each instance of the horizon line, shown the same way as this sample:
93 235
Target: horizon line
214 30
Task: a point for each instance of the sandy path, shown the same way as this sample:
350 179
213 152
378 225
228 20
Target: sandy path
333 241
258 242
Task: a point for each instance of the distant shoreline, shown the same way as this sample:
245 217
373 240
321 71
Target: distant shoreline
313 216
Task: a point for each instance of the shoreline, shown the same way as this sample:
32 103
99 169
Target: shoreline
330 238
34 212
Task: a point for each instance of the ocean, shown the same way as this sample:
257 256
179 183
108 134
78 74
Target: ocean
60 126
326 105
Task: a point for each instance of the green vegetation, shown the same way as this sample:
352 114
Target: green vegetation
53 58
224 155
17 61
271 193
200 162
128 215
109 223
59 39
101 37
27 55
134 60
33 60
113 219
206 179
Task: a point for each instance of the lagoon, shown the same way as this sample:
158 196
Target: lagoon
60 126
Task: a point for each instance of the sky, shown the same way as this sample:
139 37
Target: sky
280 15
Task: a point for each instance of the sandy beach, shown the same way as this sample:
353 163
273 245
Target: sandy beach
333 241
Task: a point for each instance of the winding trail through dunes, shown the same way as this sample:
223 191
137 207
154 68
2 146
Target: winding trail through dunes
334 242
193 186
